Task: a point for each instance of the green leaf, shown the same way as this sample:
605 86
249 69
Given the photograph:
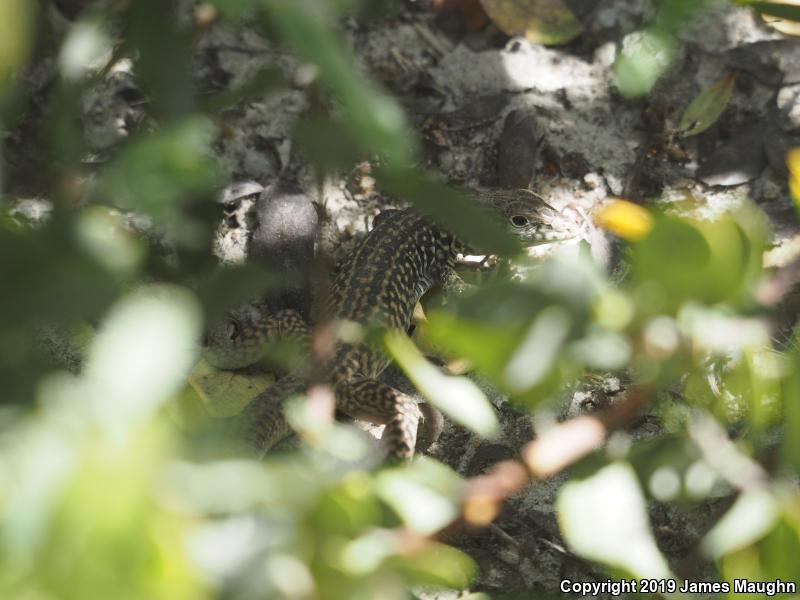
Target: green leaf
438 565
457 396
645 57
374 117
228 287
263 82
164 64
348 508
17 22
604 518
158 173
707 107
425 494
47 259
708 261
141 355
748 520
485 344
329 143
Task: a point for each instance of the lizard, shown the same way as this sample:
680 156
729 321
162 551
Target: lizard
379 284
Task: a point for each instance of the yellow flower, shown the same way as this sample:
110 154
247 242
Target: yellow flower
626 219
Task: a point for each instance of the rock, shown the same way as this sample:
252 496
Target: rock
740 160
283 239
518 150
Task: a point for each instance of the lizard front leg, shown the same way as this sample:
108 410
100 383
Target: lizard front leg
371 400
262 424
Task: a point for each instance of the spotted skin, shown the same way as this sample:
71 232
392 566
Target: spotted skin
377 286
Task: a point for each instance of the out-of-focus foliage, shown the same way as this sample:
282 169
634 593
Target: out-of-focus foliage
107 488
17 21
647 54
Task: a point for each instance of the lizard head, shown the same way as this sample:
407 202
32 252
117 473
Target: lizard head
530 218
236 341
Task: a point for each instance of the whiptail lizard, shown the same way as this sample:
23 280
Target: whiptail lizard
377 286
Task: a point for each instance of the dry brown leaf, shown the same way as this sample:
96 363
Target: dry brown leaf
785 26
546 22
226 393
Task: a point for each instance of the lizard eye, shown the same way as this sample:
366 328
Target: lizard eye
519 220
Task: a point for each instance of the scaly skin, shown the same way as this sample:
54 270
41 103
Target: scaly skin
378 286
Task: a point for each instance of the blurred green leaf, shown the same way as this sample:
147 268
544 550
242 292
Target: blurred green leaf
709 261
141 356
425 494
486 345
601 349
17 24
538 352
707 107
206 487
604 518
790 450
437 564
373 117
45 262
160 173
647 54
457 396
86 47
229 286
329 143
164 60
102 233
91 549
644 58
347 508
748 520
519 334
263 82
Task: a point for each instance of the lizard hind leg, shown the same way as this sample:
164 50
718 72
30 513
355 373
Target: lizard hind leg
373 401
